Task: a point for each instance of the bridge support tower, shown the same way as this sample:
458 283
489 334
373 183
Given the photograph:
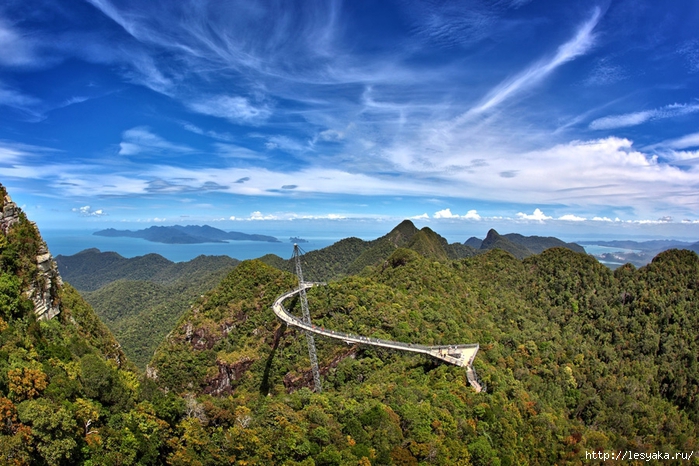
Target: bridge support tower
312 355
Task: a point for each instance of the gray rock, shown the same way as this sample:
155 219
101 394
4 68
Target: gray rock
43 288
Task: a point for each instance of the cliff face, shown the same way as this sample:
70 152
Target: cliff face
43 284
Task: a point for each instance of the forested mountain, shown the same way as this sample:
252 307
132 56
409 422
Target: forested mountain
141 298
91 269
520 246
349 256
575 358
352 255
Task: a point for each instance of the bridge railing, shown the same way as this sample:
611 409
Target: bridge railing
450 353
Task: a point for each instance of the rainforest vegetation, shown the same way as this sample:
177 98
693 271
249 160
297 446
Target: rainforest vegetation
140 299
575 358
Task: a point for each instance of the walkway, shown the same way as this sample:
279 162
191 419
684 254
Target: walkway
459 355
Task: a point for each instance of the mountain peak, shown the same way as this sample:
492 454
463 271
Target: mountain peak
491 238
402 233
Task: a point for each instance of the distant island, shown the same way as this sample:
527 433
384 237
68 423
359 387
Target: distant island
296 239
190 234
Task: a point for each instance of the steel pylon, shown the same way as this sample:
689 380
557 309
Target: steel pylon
307 319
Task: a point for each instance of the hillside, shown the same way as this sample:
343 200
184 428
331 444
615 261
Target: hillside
66 388
574 358
140 299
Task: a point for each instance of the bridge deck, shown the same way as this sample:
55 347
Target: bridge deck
460 355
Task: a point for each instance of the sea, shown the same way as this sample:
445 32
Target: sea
67 243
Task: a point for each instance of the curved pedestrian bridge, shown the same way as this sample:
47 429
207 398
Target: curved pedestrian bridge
459 355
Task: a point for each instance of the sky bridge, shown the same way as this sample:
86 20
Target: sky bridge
460 355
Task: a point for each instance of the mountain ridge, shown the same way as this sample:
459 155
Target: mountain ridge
140 299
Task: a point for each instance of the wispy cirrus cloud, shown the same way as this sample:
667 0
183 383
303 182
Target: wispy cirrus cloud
227 137
579 45
14 153
684 142
18 48
690 51
452 24
236 152
18 100
637 118
141 140
605 73
234 108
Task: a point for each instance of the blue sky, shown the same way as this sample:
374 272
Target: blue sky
534 115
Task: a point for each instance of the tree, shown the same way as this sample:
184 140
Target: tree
26 383
53 430
12 303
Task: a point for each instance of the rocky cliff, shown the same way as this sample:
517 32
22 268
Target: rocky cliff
42 285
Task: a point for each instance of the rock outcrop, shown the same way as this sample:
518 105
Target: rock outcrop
43 287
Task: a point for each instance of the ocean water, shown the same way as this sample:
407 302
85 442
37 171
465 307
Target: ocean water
67 243
596 249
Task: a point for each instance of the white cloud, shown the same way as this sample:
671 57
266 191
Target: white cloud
420 217
446 213
637 118
621 121
141 140
472 215
538 215
86 211
602 219
571 218
236 109
257 215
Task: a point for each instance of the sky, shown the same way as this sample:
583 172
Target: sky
576 117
